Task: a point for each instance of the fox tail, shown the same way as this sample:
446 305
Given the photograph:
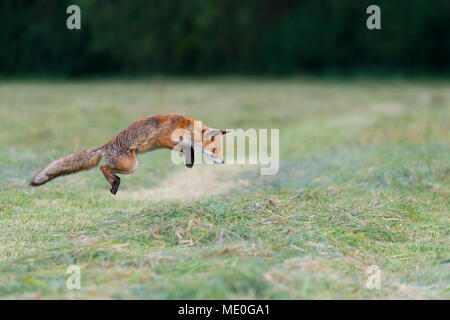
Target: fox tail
82 160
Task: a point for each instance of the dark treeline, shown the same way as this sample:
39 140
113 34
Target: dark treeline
217 36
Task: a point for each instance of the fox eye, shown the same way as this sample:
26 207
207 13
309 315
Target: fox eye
214 150
213 138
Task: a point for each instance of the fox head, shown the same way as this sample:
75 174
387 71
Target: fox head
212 143
206 140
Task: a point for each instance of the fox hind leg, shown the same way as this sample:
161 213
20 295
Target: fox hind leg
125 164
113 180
115 185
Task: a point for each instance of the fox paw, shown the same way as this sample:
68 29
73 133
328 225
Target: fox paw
115 185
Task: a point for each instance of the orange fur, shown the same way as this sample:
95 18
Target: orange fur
120 154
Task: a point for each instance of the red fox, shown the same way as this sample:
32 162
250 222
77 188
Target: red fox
143 135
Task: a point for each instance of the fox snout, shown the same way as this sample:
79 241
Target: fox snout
217 160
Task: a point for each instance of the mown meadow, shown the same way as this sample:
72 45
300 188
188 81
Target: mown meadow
364 180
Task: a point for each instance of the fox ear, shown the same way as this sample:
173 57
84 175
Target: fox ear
210 134
189 156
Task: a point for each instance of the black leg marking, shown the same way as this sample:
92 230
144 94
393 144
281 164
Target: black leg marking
115 185
189 155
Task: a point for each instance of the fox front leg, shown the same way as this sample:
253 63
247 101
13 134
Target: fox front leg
189 156
187 149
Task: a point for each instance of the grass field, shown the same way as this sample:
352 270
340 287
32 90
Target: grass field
364 180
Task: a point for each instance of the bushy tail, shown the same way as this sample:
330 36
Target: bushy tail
83 160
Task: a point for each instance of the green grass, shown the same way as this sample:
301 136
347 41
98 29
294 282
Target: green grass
364 179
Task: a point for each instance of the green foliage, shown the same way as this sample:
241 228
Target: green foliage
203 36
